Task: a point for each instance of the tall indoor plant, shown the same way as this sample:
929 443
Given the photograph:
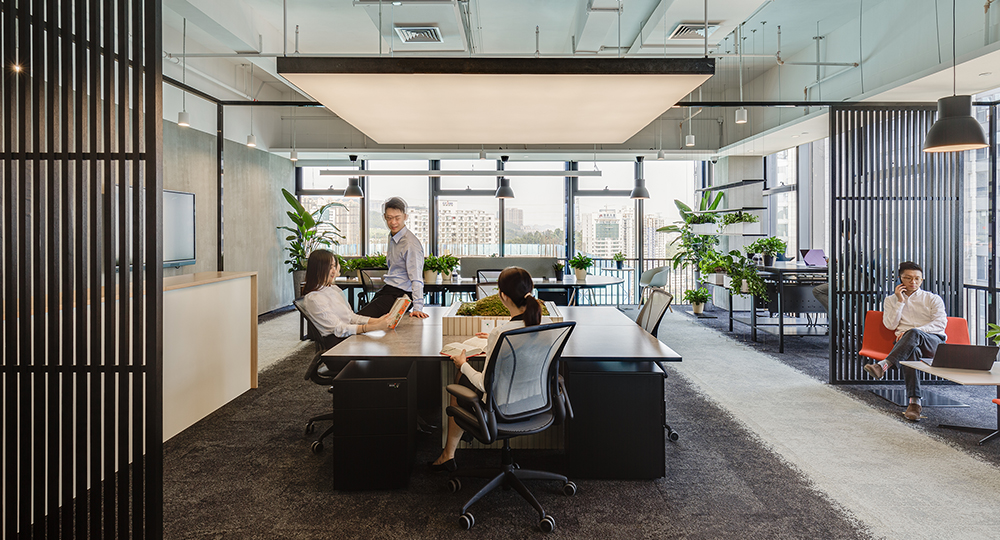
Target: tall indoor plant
693 246
308 233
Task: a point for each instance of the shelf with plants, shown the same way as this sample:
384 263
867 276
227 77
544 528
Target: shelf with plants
741 183
739 224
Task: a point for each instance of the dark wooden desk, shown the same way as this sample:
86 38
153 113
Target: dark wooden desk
613 435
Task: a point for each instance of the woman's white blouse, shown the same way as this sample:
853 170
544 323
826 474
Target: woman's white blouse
331 313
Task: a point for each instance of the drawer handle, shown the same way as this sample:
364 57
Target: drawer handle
394 385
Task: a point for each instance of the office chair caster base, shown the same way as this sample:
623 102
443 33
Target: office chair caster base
466 521
547 524
672 435
569 489
310 428
317 447
454 485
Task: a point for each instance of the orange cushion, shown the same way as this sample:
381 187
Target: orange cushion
997 401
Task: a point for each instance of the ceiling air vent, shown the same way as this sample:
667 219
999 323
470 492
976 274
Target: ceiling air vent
693 30
419 34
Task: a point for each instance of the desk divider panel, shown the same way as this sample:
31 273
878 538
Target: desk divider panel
889 202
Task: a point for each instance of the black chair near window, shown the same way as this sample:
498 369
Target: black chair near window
649 319
371 282
524 396
321 370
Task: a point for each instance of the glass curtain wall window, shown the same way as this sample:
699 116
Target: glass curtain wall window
976 203
605 225
666 181
535 220
413 189
785 204
347 219
468 225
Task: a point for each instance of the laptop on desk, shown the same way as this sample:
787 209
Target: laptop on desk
813 257
975 357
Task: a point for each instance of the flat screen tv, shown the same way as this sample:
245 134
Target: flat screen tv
178 228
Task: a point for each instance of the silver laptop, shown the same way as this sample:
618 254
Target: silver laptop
977 357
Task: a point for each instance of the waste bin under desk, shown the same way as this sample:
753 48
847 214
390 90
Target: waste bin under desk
617 428
374 406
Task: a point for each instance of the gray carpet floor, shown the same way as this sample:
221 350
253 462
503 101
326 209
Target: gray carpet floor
246 472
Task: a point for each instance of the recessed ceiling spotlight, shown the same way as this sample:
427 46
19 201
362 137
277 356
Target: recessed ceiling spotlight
795 136
986 74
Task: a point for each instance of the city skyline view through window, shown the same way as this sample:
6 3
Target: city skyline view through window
534 222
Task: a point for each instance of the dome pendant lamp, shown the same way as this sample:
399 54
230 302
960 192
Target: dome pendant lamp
639 190
503 184
955 129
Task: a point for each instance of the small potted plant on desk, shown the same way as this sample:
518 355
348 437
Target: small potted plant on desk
580 263
447 265
432 269
558 269
619 259
768 247
697 298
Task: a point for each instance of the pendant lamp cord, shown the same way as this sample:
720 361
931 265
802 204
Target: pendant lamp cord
954 54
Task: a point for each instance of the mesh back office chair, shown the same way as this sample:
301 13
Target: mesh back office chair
321 370
649 319
371 282
524 397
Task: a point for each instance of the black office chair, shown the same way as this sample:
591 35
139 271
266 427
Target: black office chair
524 396
322 370
369 285
649 319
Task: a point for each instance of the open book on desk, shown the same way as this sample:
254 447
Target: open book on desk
473 347
398 310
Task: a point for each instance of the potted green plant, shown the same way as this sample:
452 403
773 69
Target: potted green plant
694 244
734 271
619 259
432 269
558 268
580 263
768 247
697 298
740 223
310 232
447 265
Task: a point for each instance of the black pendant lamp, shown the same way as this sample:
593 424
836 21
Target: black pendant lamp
503 184
354 184
955 130
639 190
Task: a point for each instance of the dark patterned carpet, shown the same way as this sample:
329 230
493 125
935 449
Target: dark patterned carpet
246 471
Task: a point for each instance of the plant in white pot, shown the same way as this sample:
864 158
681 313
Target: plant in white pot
580 263
769 248
432 271
309 233
697 298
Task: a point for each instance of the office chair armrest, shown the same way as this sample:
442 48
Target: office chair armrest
472 413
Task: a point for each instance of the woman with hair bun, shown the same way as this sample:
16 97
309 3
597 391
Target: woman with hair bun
515 286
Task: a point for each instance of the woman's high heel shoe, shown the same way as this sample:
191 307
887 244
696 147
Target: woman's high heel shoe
446 466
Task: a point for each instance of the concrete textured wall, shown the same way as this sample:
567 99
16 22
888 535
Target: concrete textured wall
189 165
253 207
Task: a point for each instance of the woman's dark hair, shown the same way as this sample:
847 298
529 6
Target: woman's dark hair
516 284
318 269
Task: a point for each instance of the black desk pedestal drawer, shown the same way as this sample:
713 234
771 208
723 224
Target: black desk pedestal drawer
374 404
617 429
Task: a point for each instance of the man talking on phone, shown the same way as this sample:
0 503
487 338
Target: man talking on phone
919 320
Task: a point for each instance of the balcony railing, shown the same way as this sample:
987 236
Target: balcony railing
678 281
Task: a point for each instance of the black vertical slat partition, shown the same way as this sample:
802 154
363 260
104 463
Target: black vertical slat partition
81 188
890 202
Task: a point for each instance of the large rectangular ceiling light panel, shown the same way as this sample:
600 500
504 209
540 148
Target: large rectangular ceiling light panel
497 100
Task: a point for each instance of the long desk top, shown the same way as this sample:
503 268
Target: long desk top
568 282
602 334
968 377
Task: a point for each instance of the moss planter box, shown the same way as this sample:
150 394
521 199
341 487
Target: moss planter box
453 324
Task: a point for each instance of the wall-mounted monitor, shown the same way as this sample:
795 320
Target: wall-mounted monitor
178 228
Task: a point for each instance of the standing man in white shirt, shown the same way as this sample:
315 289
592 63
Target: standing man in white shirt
919 320
405 258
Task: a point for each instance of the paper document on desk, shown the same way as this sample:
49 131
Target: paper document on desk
399 308
473 346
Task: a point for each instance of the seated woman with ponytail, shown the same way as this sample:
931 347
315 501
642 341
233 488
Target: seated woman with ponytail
515 288
326 304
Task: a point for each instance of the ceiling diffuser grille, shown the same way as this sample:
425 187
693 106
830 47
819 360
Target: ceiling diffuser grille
419 34
693 30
